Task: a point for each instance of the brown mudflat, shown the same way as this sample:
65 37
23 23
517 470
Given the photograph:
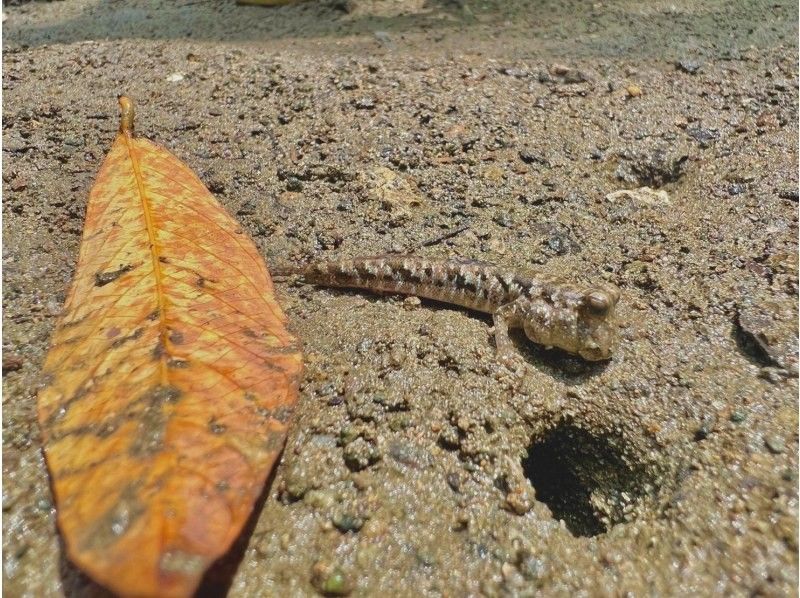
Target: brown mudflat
495 131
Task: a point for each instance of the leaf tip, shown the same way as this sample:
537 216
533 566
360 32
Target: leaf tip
126 115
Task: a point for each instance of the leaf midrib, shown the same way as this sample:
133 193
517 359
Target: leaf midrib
154 253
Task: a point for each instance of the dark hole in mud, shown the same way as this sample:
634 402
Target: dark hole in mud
585 479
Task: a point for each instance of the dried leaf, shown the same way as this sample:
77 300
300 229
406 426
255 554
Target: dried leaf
170 379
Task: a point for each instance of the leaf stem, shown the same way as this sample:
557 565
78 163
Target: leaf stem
126 115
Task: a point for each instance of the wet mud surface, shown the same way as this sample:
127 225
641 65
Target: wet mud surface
651 147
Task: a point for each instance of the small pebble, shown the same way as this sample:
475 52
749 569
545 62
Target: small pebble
174 78
774 444
767 120
736 189
329 579
360 454
18 183
11 362
408 454
347 522
294 184
738 416
704 136
365 103
701 433
633 91
688 66
412 302
494 174
519 501
295 491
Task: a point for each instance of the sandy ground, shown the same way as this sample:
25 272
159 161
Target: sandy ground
417 463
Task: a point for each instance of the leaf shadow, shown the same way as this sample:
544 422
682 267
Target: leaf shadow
219 577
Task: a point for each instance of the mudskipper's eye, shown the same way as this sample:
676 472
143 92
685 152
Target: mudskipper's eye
598 303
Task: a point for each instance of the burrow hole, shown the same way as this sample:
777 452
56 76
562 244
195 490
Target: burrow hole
588 480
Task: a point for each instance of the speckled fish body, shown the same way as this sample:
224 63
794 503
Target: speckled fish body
576 319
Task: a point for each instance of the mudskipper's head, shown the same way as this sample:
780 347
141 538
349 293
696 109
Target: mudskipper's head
580 322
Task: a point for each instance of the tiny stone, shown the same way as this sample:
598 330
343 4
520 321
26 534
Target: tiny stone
11 362
360 454
774 444
363 408
347 522
634 91
408 454
296 487
364 345
702 432
174 78
704 136
365 103
736 189
738 416
519 501
503 219
411 302
781 84
688 66
329 580
14 145
18 184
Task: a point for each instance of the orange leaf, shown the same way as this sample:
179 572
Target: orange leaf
170 378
